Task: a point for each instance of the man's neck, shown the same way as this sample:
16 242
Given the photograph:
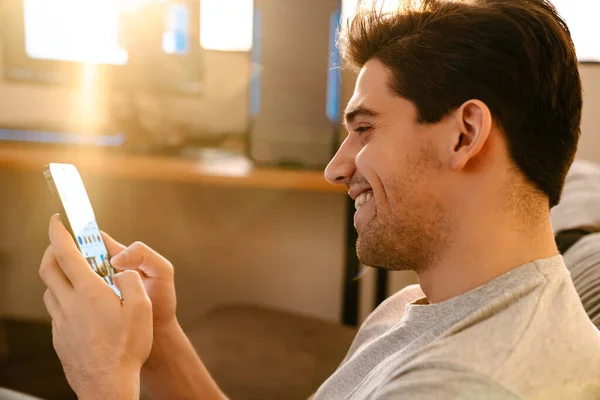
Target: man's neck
481 252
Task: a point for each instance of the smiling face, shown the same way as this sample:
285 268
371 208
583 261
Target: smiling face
393 171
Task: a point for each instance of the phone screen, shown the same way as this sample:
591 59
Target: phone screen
81 220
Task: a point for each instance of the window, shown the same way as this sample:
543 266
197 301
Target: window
226 25
73 30
582 18
88 30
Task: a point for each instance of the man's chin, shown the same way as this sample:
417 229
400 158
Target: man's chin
373 254
366 252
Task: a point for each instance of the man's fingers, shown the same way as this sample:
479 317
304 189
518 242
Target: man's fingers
67 255
53 276
112 245
132 289
52 305
143 258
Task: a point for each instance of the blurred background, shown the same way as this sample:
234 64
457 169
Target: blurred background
200 127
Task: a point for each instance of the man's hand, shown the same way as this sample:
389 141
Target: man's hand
157 275
102 342
173 370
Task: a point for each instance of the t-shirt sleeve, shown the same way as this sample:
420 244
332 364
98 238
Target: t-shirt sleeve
434 383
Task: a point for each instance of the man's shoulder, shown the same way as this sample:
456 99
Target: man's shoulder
474 364
546 331
453 381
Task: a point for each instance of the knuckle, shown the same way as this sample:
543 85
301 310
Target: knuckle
138 246
129 274
141 303
48 251
144 301
44 265
43 272
49 303
169 268
152 259
147 306
55 340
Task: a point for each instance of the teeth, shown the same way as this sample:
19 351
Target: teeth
362 199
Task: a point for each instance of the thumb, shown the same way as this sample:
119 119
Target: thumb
112 245
131 287
142 258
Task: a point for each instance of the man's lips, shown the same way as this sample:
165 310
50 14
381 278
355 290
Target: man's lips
354 192
362 199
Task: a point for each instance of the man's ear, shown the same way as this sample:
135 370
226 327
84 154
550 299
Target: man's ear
475 123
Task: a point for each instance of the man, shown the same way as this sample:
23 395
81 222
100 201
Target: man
463 124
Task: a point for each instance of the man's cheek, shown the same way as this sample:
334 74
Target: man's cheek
364 158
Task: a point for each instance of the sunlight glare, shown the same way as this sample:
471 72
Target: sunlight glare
226 25
581 18
349 7
89 98
74 30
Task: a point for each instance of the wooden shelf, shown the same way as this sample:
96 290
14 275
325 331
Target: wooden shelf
213 169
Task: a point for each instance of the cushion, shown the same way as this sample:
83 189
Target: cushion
583 261
579 206
6 394
257 353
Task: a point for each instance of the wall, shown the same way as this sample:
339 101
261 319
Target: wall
589 146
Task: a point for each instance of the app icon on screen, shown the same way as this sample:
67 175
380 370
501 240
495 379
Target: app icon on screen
102 269
92 263
80 240
109 271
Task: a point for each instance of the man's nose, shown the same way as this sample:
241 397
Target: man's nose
342 166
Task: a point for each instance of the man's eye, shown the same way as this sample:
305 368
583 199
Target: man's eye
362 129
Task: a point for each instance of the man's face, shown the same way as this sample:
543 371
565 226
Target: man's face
392 169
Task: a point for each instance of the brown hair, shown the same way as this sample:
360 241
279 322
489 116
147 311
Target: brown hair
516 56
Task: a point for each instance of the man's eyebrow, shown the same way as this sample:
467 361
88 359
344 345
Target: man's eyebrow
352 113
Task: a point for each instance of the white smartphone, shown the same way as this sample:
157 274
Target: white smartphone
78 217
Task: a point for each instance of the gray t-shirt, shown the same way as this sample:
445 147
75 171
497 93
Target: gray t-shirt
524 335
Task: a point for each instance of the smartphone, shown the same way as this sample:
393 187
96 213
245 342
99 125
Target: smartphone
78 217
